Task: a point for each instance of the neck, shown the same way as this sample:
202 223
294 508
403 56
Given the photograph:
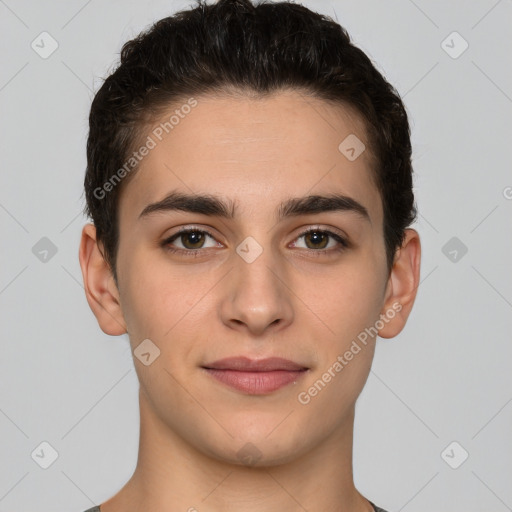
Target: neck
171 475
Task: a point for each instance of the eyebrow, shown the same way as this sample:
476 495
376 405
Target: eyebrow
225 208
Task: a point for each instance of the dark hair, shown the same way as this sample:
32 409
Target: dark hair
234 46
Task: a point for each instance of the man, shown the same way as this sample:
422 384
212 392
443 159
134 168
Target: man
250 183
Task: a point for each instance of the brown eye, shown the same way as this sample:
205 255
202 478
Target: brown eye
318 239
189 241
321 241
192 239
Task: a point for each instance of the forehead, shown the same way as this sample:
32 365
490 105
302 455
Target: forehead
248 149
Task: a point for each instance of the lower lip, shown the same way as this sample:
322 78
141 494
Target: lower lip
256 383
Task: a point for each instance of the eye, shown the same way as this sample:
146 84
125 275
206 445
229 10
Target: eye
322 241
189 239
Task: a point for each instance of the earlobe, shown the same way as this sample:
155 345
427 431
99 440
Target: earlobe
402 285
100 288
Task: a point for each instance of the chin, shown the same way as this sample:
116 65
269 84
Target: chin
256 448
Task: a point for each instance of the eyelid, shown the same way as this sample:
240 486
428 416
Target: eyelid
324 229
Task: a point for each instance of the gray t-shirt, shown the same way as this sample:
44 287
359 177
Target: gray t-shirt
377 509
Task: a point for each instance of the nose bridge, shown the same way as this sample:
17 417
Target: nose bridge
257 296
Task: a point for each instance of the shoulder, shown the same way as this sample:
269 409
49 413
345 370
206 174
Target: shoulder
377 509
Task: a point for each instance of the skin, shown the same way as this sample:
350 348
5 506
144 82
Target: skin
289 302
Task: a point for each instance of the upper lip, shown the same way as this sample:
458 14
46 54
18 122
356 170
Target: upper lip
255 365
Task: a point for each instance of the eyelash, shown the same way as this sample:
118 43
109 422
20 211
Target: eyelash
197 252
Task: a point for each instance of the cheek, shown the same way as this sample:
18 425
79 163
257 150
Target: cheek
156 295
345 301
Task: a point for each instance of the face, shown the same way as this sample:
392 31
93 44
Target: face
269 275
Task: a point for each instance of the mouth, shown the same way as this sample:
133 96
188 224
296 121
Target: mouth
255 377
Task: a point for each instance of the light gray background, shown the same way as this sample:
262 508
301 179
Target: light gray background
445 378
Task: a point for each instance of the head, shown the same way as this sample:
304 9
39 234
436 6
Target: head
250 123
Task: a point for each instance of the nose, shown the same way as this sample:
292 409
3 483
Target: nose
257 298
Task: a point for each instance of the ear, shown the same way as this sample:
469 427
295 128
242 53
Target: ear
100 288
402 285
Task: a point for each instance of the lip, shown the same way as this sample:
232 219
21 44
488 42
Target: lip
255 377
255 365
